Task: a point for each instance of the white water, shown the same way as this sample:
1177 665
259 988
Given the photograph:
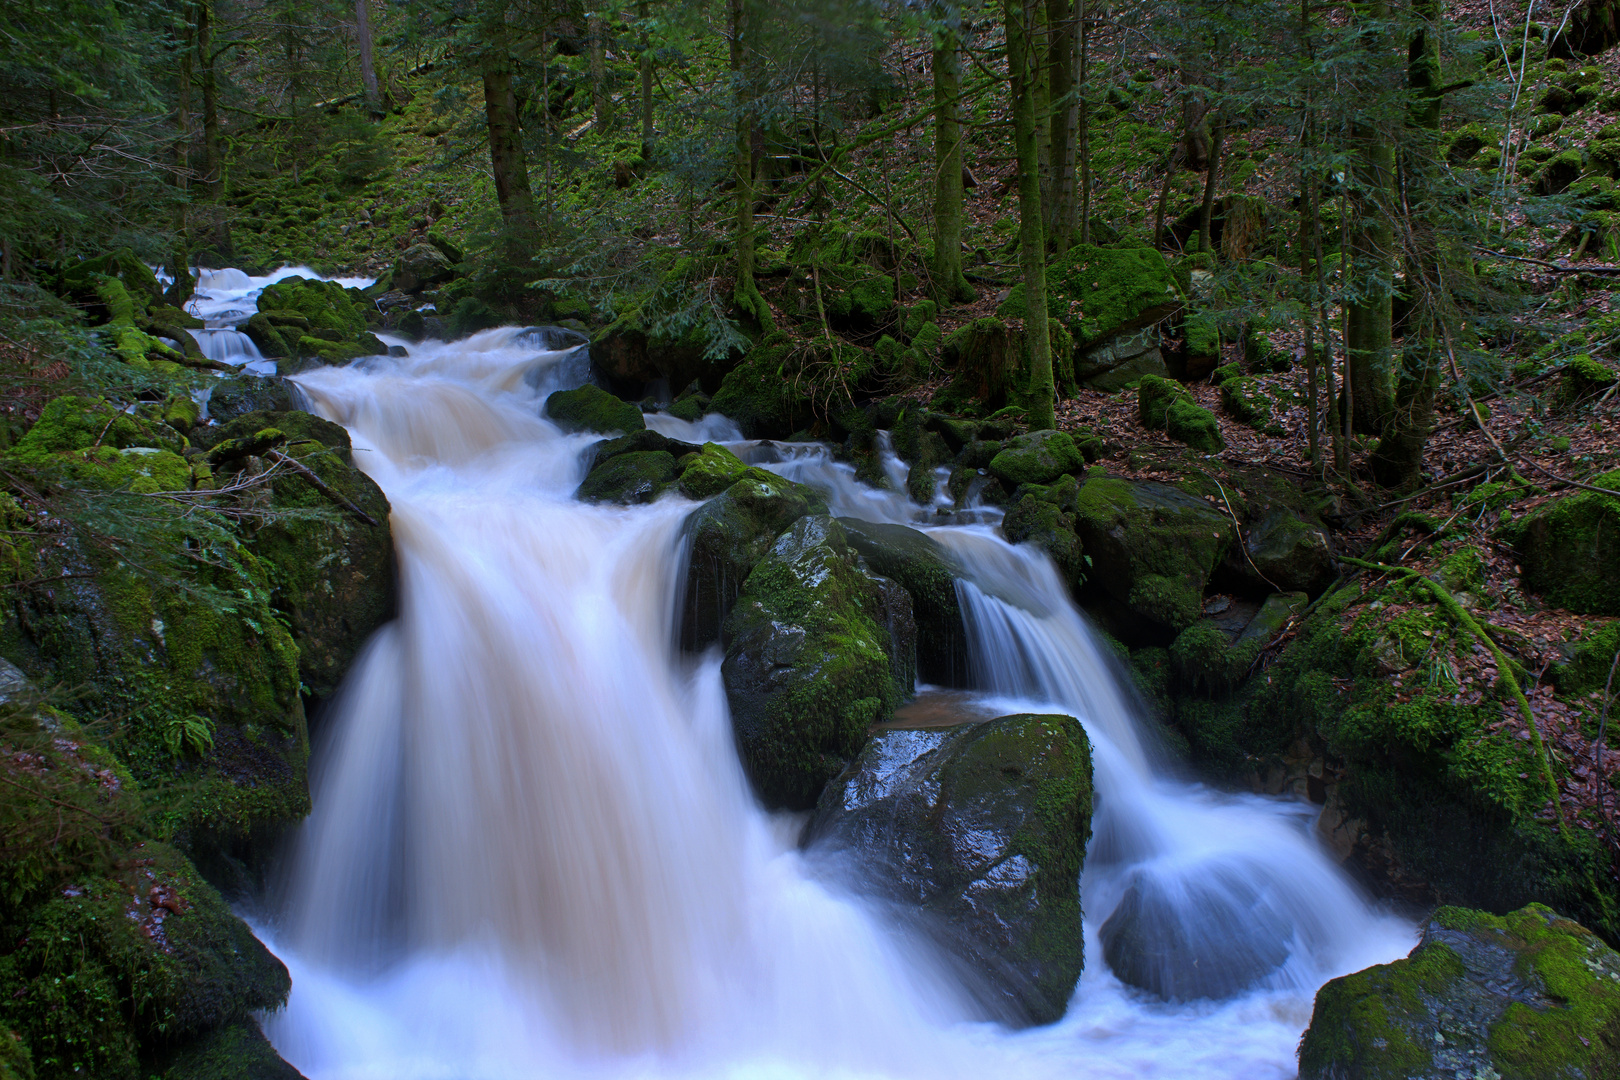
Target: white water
533 851
225 299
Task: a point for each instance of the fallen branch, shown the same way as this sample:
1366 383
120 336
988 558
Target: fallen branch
321 485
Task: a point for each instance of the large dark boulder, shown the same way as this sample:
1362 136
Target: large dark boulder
1525 995
726 537
983 828
1570 549
333 571
1284 551
817 651
928 572
421 265
1037 458
1153 549
628 479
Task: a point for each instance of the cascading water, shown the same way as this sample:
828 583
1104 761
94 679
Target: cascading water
225 299
534 853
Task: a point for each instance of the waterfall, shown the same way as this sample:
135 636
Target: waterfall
534 853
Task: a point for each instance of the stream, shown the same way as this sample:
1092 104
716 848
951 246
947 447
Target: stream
534 852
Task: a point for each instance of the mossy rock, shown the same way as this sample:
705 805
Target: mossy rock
817 651
1192 424
1209 660
122 265
1202 333
1153 549
927 571
1037 458
1121 361
15 1061
590 408
857 298
1587 668
1008 904
990 358
267 336
333 575
1570 549
726 537
326 305
118 966
1523 996
709 472
1284 551
237 396
629 479
1247 400
1099 293
1030 520
236 1051
1154 397
760 395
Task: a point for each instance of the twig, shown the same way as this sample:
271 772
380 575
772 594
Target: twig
321 486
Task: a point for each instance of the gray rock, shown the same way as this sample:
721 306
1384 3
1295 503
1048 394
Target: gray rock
1120 361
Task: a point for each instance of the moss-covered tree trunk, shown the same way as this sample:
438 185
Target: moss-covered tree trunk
368 66
745 79
1023 67
949 282
645 64
1060 194
1398 461
1369 318
213 170
181 287
508 162
596 32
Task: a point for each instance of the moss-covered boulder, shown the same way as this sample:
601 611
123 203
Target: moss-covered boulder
710 471
990 358
421 265
1099 293
1153 549
761 395
1524 996
983 827
325 304
928 572
1202 350
332 572
237 396
1246 399
726 537
1035 520
629 479
1037 458
1284 550
120 965
637 348
270 337
1154 396
817 651
1211 658
137 280
1570 549
590 408
1121 361
235 1051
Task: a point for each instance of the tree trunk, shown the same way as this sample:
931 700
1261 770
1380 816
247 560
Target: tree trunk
1398 461
1369 318
1211 180
949 282
213 171
646 65
1060 194
368 68
745 161
180 289
1023 68
508 163
1083 127
596 31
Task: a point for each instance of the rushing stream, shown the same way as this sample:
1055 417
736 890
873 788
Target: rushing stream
534 852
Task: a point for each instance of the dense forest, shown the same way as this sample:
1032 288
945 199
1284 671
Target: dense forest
1287 331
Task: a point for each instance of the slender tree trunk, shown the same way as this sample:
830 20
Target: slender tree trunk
213 171
596 31
1369 330
1060 194
1212 179
1083 128
368 68
181 288
949 282
746 159
509 165
646 66
1398 461
1023 69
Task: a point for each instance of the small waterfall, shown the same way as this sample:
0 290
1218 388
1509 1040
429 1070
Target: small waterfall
534 853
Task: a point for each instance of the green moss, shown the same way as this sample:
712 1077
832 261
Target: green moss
1588 669
709 472
1100 292
78 423
15 1061
1037 458
1228 371
1154 396
1570 549
760 393
1245 397
590 408
1203 334
627 479
1194 425
326 305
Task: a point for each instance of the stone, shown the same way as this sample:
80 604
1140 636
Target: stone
1030 520
1527 994
1284 551
817 651
590 408
1570 549
421 265
1037 458
1246 399
983 829
760 397
1121 361
927 570
324 304
710 471
1100 293
726 537
629 479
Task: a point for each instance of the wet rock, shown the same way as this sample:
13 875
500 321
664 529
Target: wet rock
629 479
237 1051
1570 549
758 397
335 578
1529 994
590 408
1212 658
1031 520
1153 548
726 537
237 396
1037 458
710 471
928 572
983 828
817 651
1186 937
643 441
